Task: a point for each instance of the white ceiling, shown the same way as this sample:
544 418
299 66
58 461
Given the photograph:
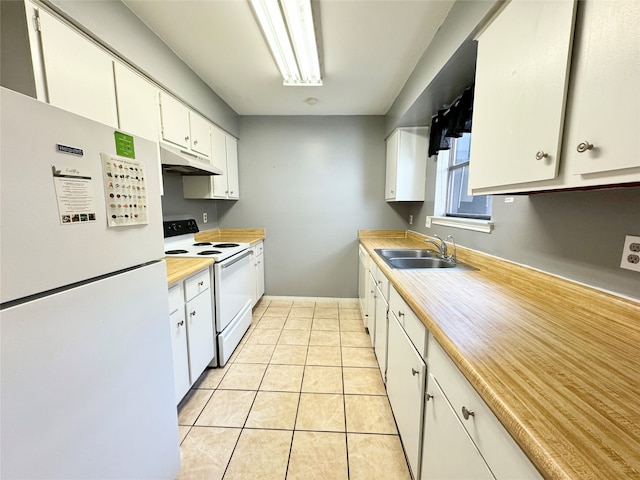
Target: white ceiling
368 50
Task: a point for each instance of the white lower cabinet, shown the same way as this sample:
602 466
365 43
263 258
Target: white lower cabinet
193 338
456 414
179 347
448 451
257 252
406 378
381 321
371 301
363 282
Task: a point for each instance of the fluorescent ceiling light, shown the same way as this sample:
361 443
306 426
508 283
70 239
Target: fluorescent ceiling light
291 38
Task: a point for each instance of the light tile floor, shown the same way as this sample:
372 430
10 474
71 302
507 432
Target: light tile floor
301 398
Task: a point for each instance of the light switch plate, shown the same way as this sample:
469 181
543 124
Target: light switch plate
631 253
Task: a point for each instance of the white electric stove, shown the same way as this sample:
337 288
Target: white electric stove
232 277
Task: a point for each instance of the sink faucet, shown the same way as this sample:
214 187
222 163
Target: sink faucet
442 247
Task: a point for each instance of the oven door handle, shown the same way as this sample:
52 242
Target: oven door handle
232 260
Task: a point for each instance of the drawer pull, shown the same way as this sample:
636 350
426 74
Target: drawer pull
414 372
541 155
193 313
584 146
467 413
181 323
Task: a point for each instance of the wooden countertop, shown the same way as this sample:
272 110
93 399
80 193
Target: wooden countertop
245 235
556 361
180 268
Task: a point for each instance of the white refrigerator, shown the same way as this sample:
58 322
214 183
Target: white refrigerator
86 386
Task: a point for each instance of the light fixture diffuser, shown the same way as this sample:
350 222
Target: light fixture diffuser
287 26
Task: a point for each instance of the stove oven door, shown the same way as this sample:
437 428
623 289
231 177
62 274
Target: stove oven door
233 288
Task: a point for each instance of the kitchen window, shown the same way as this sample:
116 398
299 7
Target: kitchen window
454 207
458 202
450 140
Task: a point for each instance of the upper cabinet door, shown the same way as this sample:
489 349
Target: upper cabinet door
175 121
219 160
138 111
519 102
407 150
200 134
232 167
79 74
392 162
607 89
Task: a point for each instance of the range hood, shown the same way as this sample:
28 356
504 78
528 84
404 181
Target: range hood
177 160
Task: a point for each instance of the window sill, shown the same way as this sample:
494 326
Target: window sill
484 226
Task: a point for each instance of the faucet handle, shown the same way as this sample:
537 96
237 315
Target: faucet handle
453 257
443 249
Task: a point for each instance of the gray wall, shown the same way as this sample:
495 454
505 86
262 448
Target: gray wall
312 182
577 235
176 207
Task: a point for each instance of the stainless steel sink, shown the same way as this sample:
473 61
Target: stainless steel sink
413 258
421 263
406 253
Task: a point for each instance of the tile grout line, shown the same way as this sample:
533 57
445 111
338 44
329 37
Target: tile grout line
235 445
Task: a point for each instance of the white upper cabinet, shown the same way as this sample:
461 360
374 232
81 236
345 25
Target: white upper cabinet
607 89
138 111
232 167
79 74
512 120
183 127
175 121
224 155
406 164
519 102
200 134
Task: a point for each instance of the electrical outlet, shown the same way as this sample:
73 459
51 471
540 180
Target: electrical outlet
428 222
410 219
631 253
204 218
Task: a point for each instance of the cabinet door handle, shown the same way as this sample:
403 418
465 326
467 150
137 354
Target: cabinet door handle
414 372
193 313
186 139
181 323
201 283
195 142
540 155
400 314
429 396
467 413
584 146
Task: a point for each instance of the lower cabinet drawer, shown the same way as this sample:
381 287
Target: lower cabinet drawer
499 449
415 329
197 283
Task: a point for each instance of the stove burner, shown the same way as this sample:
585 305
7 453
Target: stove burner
201 244
175 252
209 252
226 245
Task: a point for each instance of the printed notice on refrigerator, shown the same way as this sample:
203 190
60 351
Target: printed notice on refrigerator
125 191
75 195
